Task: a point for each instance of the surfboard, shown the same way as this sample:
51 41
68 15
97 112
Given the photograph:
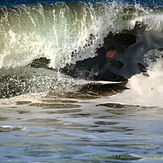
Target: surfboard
100 85
102 82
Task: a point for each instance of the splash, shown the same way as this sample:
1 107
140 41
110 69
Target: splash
66 32
146 91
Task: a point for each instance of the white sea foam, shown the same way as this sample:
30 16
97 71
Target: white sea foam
65 32
144 90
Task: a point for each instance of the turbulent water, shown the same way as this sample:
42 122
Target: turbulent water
47 116
65 33
55 31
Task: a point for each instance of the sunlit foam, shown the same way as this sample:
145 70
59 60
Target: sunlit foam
65 32
144 90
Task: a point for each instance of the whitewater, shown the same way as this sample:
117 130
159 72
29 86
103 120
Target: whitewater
50 116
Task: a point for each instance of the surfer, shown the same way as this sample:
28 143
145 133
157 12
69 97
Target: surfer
105 72
97 68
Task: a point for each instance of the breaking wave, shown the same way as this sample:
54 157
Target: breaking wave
68 32
65 33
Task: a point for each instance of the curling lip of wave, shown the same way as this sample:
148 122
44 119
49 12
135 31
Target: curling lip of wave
55 31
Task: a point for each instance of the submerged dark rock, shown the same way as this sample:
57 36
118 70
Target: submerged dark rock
40 63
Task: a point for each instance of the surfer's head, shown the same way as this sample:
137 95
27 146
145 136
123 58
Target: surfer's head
111 52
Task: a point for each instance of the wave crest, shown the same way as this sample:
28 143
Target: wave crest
66 32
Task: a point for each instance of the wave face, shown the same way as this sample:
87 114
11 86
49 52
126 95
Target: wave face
68 32
19 2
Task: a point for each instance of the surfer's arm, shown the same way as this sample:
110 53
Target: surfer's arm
118 64
115 63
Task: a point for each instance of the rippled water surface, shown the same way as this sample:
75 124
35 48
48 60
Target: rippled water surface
76 129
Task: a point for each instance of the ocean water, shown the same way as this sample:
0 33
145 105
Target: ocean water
48 116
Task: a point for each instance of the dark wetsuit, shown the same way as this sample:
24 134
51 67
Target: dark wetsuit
97 68
105 72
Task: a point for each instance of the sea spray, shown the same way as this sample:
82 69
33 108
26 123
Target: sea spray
145 90
65 32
